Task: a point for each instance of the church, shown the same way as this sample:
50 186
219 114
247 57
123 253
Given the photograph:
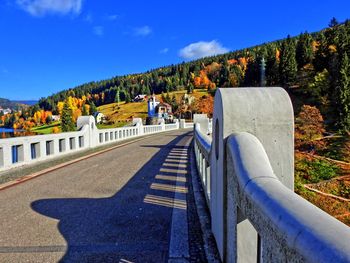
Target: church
159 110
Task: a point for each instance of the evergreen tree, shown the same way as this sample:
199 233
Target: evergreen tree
84 111
342 38
190 88
288 63
147 90
117 97
252 74
320 61
67 123
224 74
344 93
127 97
54 109
93 108
318 89
304 52
334 22
196 69
184 74
272 68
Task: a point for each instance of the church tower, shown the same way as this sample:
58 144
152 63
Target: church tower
152 104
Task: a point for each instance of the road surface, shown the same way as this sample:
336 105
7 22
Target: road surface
126 205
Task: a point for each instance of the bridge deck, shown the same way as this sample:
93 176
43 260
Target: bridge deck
127 205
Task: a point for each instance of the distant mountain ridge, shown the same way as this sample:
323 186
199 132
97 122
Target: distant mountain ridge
6 103
26 102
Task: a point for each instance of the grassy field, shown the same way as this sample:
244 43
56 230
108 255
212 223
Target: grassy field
46 129
127 111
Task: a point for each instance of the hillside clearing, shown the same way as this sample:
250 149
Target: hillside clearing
127 111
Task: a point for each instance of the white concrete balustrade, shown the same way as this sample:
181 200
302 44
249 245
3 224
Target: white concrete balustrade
247 172
185 125
18 151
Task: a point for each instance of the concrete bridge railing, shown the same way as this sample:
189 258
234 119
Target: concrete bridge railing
15 152
247 171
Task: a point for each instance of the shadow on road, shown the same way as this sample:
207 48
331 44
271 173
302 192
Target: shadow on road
132 225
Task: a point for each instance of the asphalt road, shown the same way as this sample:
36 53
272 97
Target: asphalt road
115 207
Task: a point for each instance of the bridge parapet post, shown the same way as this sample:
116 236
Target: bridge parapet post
267 114
182 123
162 124
92 131
138 123
204 122
177 123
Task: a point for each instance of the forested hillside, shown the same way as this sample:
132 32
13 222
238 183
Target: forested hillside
314 68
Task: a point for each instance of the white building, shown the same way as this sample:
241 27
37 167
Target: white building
6 111
140 97
99 117
55 117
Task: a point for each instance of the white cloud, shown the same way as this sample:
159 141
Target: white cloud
43 7
202 49
98 30
142 31
164 50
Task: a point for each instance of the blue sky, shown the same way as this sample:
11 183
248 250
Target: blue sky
50 45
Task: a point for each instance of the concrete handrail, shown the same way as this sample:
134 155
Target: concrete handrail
202 146
255 214
203 141
287 224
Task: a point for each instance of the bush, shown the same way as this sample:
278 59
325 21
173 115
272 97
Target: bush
55 129
309 129
314 171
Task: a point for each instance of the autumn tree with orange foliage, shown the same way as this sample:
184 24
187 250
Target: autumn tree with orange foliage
309 129
55 129
42 117
205 105
203 82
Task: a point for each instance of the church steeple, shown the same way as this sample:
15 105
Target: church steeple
152 104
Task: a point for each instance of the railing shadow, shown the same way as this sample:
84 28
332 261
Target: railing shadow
123 226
